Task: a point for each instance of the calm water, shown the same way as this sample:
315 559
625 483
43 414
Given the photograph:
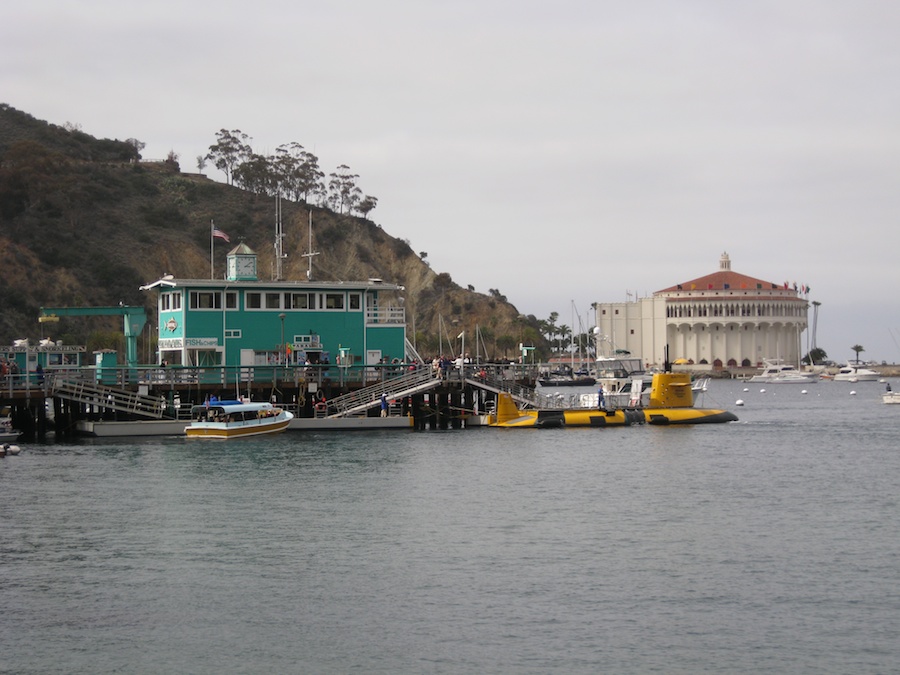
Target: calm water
767 545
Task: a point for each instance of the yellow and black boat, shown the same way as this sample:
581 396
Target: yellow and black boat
671 402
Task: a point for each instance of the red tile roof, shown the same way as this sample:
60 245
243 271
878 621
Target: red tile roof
723 280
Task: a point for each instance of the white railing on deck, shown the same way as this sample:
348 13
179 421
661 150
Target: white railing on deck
389 315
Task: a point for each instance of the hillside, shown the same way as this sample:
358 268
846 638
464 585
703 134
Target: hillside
82 223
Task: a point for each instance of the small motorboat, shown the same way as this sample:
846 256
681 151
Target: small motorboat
236 419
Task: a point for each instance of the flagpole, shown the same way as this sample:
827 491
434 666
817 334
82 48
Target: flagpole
212 227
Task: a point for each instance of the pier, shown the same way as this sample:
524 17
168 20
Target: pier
67 401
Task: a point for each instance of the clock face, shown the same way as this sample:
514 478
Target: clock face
246 267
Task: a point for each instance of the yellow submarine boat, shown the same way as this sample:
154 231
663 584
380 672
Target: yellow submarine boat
671 402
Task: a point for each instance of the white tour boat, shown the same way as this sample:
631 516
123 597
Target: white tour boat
236 419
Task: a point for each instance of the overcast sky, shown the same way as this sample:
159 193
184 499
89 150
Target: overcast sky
564 152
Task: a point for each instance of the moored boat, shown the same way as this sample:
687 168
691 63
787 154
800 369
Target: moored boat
236 419
854 372
623 379
777 372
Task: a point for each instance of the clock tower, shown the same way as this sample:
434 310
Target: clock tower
241 264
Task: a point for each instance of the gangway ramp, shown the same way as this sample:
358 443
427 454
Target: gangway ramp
121 400
523 395
356 402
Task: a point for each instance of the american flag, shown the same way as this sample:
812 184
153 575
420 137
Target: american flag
220 235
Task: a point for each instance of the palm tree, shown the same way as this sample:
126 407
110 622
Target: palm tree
563 331
857 349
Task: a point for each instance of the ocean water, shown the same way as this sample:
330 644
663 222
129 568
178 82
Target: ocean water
767 545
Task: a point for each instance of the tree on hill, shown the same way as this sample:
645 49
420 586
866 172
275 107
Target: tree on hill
137 145
229 150
366 205
299 176
343 193
255 175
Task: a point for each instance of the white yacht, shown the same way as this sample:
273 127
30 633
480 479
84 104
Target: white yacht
776 371
854 372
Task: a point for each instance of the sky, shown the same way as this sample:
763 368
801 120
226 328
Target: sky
561 153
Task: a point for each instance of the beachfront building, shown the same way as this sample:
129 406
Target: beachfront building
47 354
241 321
724 319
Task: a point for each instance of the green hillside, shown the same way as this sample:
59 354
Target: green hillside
84 223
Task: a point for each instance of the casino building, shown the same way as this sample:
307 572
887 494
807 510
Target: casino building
725 319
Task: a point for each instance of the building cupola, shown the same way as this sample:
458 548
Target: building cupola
724 263
241 264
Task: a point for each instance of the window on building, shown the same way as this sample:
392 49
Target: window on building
300 301
334 301
206 300
273 300
231 300
253 300
233 333
170 301
355 301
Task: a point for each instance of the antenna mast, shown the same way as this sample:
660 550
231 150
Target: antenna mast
280 255
311 253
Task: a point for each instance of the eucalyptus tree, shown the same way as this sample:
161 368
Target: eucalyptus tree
298 172
366 205
229 151
256 174
343 193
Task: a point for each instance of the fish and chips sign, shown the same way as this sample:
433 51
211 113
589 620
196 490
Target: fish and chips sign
189 343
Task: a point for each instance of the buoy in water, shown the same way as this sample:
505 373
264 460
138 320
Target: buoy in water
10 449
740 401
803 392
762 391
853 393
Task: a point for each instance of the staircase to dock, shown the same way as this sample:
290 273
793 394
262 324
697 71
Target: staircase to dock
359 401
111 398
